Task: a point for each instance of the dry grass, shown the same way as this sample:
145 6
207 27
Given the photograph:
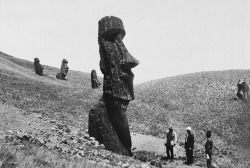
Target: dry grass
202 100
30 156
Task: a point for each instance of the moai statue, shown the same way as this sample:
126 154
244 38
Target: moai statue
38 67
64 70
108 122
242 86
94 80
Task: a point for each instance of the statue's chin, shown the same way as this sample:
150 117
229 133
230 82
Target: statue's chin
128 85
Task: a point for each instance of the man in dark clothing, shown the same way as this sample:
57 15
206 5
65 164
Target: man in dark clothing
208 149
38 67
171 140
189 146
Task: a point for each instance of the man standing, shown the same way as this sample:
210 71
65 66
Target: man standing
171 140
189 146
208 149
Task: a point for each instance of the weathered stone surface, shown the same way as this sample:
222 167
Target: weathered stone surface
64 70
101 128
94 80
116 62
38 67
108 120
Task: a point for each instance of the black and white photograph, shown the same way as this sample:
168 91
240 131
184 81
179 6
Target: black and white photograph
124 83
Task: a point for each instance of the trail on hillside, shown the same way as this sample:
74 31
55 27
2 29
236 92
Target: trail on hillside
156 146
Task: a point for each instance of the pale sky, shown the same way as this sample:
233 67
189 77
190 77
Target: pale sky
168 37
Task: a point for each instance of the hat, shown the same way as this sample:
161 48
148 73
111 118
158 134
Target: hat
241 81
36 60
64 61
189 128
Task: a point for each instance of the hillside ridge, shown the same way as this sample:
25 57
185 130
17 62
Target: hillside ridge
203 100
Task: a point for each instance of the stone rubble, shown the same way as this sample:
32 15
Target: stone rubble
75 142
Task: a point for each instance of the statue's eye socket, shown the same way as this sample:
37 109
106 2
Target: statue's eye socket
111 37
115 35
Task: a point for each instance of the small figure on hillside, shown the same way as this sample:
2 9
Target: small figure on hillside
189 146
38 67
242 86
94 80
64 70
171 140
208 149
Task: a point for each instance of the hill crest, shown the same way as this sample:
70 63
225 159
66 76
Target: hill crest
203 100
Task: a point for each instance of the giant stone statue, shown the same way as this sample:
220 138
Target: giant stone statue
64 70
242 86
94 80
38 67
108 119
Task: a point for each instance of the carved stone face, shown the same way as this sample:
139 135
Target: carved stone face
116 62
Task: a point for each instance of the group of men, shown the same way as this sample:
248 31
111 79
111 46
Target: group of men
61 75
171 140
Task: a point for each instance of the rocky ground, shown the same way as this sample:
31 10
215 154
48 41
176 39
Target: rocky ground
19 128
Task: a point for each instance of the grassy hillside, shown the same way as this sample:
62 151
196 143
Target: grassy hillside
52 113
202 100
22 88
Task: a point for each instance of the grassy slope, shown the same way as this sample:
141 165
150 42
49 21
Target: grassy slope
69 100
203 100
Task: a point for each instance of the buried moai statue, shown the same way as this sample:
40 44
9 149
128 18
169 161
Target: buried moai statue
64 70
242 86
38 67
94 80
108 119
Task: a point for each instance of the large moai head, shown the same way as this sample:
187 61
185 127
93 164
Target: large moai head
36 60
93 74
65 66
116 62
38 67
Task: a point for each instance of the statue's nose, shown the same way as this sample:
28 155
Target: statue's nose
129 61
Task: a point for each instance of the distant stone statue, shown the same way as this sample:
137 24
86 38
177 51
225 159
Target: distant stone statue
94 80
242 86
108 119
64 70
38 67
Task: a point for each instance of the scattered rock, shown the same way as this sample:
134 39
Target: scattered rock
10 132
144 165
92 161
53 121
125 165
81 153
92 138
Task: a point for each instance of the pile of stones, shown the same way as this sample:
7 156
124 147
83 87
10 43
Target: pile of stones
75 143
